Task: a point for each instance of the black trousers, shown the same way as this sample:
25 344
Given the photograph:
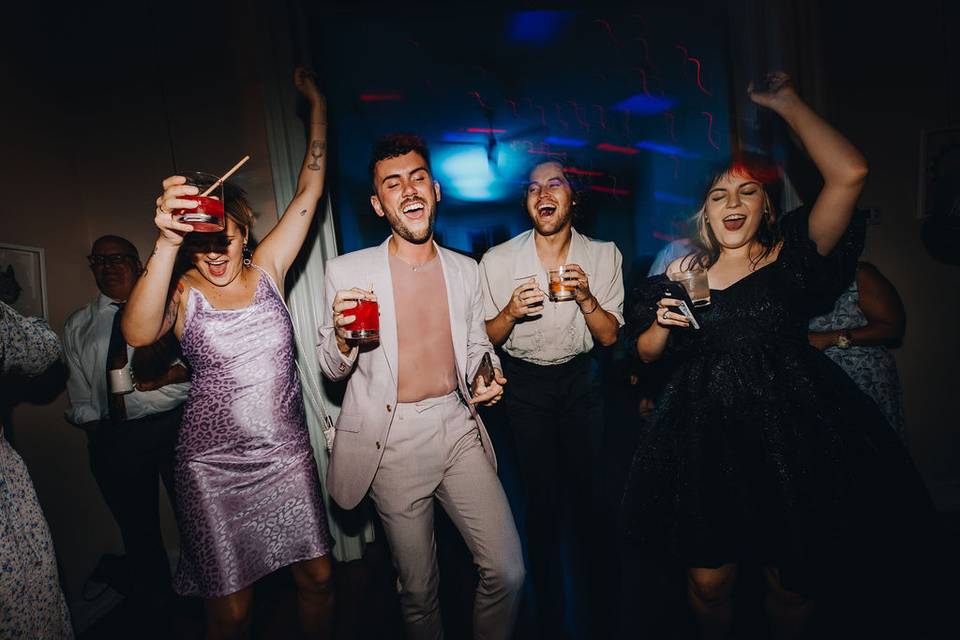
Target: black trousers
555 414
128 460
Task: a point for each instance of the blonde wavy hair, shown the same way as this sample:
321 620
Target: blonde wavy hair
746 165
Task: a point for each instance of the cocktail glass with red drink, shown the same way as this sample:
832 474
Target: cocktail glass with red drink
366 326
208 215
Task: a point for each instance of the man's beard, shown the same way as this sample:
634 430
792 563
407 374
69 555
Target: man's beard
556 224
397 223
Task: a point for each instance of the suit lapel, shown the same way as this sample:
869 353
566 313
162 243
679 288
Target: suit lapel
455 305
383 288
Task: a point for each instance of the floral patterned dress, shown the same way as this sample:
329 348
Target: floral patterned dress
31 602
874 369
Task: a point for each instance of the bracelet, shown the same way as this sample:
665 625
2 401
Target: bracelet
596 303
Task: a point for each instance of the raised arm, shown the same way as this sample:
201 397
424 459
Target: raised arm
279 249
150 312
843 167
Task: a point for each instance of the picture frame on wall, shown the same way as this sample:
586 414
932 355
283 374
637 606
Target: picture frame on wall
23 279
939 181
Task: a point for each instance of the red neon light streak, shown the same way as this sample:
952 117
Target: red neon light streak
710 129
659 235
609 30
646 53
380 97
603 146
476 94
582 172
479 130
543 114
576 114
643 80
544 152
673 120
696 62
513 105
560 119
603 120
610 190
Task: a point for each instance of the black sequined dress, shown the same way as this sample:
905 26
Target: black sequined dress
761 448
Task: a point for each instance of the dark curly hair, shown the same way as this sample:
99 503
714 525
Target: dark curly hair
568 167
394 145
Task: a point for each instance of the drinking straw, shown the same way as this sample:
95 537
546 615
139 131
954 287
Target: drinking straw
225 176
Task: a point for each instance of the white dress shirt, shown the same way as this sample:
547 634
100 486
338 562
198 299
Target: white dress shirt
560 332
86 338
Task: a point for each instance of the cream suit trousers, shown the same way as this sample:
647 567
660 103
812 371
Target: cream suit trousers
433 451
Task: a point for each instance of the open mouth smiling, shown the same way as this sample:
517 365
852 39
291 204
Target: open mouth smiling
734 221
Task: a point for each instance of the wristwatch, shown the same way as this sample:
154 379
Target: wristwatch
844 341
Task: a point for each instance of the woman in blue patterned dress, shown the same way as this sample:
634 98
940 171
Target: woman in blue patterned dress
31 602
248 492
867 318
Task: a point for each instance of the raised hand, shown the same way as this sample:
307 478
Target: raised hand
175 196
305 81
778 89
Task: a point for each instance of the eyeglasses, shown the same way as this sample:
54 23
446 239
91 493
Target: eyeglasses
113 259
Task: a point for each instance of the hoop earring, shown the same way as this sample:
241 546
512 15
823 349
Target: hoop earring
247 255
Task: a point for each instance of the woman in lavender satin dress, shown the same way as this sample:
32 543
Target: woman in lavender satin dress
249 497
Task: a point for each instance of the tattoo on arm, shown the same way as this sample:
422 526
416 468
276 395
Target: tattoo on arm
170 316
303 212
318 148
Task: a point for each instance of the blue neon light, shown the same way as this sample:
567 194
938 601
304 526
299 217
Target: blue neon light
663 196
666 149
644 105
566 142
538 27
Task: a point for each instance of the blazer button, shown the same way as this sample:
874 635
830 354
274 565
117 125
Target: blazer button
389 408
378 444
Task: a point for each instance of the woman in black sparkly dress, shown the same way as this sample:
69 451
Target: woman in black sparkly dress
762 451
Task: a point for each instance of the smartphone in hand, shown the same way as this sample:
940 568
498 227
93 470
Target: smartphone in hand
485 371
677 291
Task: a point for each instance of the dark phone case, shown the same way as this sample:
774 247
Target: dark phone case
677 291
485 370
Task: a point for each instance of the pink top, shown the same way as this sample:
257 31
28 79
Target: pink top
426 362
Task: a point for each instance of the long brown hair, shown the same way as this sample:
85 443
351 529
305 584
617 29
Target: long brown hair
744 165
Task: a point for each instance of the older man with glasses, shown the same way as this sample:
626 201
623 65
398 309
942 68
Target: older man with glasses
131 418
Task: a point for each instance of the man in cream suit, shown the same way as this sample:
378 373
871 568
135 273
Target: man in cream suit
406 433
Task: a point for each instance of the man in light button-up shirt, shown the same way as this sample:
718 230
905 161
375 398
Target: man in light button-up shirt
128 455
553 404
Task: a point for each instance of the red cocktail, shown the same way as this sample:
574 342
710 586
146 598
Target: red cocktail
367 324
206 217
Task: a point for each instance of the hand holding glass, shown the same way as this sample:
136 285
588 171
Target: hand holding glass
366 325
558 290
696 283
208 215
